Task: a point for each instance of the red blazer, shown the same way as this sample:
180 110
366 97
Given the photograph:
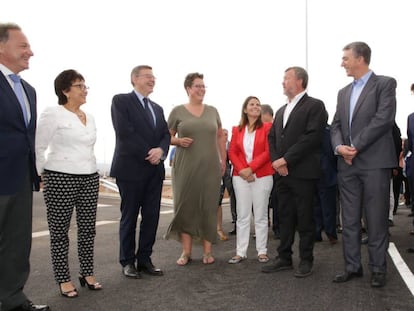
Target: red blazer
260 165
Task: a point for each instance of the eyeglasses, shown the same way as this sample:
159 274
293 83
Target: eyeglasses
199 86
148 76
82 87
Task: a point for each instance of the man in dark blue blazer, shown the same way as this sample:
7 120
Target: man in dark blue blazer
142 143
17 169
325 207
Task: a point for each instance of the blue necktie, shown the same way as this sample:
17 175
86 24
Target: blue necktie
148 112
18 90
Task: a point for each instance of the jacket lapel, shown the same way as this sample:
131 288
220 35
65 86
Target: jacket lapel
367 88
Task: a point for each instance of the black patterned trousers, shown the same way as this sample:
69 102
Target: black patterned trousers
62 193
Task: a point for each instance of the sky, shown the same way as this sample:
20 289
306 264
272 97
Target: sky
242 48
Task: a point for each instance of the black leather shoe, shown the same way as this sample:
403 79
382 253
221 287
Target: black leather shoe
378 279
29 306
410 250
346 276
304 269
130 271
149 268
278 265
233 232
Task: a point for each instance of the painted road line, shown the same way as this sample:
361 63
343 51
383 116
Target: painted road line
402 267
46 232
40 234
170 211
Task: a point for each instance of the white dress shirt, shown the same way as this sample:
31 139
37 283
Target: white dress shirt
64 144
290 105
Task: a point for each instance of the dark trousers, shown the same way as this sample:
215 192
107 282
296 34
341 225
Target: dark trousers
397 181
325 211
273 204
139 197
15 245
227 183
295 197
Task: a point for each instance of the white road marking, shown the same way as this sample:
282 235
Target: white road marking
98 223
402 267
40 234
170 211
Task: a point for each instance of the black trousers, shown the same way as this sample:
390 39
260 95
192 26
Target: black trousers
227 183
296 203
15 245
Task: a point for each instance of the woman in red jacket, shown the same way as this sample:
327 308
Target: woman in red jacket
252 178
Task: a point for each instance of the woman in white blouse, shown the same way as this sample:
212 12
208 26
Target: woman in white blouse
65 142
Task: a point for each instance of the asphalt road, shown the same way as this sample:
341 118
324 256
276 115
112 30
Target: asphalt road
219 286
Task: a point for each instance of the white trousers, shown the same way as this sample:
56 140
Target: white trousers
254 194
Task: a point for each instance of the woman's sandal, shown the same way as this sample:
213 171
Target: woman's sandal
222 236
94 286
184 259
208 259
263 258
236 259
72 293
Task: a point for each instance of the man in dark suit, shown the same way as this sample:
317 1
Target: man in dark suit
267 116
17 168
361 135
295 145
325 205
142 143
409 165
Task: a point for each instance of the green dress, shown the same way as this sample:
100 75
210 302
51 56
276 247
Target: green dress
196 175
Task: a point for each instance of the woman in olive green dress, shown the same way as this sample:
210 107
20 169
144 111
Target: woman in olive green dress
198 165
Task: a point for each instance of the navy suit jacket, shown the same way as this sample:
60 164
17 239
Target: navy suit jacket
328 161
17 142
410 146
135 136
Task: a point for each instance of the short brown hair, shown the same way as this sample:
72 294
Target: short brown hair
189 79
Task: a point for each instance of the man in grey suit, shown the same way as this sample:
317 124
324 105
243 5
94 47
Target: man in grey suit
361 135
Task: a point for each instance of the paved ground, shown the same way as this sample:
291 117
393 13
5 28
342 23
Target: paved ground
214 287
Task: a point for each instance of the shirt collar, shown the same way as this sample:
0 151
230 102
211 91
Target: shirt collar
296 98
140 96
364 78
